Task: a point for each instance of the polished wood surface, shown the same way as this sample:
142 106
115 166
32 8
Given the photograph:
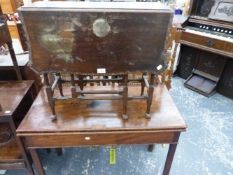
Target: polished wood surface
12 94
16 98
99 123
201 13
125 37
208 44
97 116
10 153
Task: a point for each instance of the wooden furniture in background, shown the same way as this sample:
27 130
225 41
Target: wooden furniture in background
171 51
99 123
7 73
5 38
10 7
207 47
16 98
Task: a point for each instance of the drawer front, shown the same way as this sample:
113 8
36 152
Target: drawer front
204 41
75 139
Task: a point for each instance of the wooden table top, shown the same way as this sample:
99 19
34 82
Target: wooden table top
11 95
93 116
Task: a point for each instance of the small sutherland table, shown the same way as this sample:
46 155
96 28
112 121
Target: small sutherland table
100 123
16 98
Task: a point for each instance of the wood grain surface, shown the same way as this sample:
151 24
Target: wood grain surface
69 38
103 116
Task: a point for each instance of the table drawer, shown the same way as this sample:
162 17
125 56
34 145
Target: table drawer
75 139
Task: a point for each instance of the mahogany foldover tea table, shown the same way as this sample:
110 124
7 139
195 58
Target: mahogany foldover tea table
87 123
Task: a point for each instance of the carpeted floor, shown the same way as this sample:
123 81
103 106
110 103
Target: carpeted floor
205 149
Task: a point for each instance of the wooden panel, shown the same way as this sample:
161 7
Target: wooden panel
8 6
79 40
10 153
187 61
10 102
98 138
204 41
209 44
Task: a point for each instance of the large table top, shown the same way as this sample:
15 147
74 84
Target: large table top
102 116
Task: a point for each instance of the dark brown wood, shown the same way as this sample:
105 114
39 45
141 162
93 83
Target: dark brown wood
12 93
73 89
99 123
80 46
6 39
201 7
15 99
7 73
125 96
59 84
150 95
143 84
36 161
22 37
50 95
207 43
151 147
225 86
170 156
120 92
10 154
188 60
28 164
201 42
94 115
14 60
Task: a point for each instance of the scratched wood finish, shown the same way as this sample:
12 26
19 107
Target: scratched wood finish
98 138
12 94
99 123
81 40
103 116
15 100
